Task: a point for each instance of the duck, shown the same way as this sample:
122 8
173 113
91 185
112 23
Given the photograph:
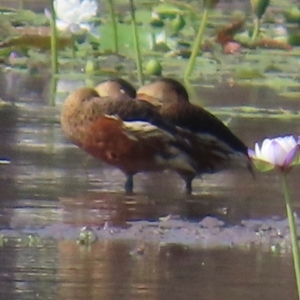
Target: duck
111 125
171 100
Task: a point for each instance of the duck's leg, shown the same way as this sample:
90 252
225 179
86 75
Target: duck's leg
188 178
188 184
129 184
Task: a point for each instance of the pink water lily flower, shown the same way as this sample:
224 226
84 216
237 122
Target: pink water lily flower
280 152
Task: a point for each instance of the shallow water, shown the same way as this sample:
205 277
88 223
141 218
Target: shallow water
113 271
51 189
227 241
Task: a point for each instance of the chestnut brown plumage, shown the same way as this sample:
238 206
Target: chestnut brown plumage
172 101
123 132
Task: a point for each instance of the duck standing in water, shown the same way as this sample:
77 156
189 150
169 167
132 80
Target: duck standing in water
172 101
108 123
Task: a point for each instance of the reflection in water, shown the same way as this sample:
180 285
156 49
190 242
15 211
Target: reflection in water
123 270
49 181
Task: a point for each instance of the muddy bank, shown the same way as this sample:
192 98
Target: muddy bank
268 234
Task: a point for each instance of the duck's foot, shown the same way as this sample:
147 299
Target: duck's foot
129 184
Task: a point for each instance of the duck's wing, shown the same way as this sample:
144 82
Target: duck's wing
128 109
200 121
212 155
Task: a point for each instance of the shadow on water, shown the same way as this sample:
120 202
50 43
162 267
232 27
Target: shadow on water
51 189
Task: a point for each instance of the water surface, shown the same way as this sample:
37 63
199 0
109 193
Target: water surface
51 189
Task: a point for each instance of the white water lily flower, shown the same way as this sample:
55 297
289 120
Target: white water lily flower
74 15
281 152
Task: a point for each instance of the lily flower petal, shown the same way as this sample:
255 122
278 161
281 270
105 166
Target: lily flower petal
277 153
74 12
287 142
291 156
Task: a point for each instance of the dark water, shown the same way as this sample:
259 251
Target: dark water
51 189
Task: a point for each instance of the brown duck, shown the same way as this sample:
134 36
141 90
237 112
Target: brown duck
172 101
110 125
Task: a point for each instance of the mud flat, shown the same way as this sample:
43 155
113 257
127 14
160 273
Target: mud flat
268 234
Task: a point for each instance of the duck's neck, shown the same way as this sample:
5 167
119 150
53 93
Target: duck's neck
72 120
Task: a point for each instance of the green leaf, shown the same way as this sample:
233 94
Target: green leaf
262 166
125 38
259 7
248 73
292 15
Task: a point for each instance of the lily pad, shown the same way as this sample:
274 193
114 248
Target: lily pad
292 15
247 72
125 38
291 95
255 112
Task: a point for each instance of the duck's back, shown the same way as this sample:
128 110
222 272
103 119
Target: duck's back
199 120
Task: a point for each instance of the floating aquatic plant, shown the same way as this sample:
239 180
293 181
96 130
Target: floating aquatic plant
292 15
281 153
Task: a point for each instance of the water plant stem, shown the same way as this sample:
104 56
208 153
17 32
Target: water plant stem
293 230
114 25
256 28
53 89
195 51
136 44
54 54
73 46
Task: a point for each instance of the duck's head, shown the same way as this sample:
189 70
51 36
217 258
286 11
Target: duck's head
71 114
115 88
163 91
